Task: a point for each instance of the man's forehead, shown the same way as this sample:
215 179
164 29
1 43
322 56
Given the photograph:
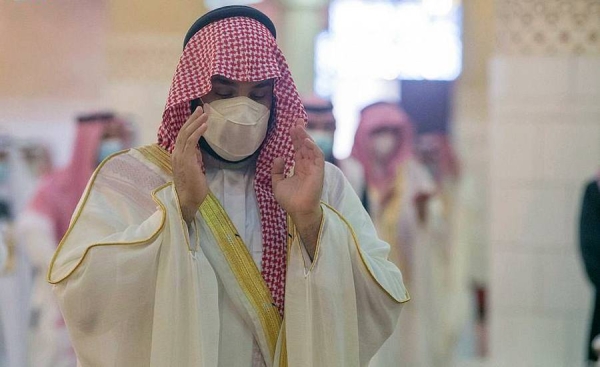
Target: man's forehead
219 79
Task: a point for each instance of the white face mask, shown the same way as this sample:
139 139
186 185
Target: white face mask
108 147
236 127
384 145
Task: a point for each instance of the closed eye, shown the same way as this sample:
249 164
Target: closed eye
261 93
258 96
224 92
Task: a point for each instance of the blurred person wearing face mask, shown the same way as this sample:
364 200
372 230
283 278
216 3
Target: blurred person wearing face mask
320 124
453 278
17 184
398 188
436 153
230 242
38 158
46 220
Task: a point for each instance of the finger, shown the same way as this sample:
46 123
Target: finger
192 141
314 149
296 139
200 161
300 122
189 128
181 134
190 152
301 129
278 170
192 124
197 113
313 153
295 133
300 154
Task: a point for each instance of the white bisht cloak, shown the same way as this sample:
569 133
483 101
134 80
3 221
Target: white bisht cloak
137 287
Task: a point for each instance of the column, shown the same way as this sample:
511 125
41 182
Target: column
545 143
302 21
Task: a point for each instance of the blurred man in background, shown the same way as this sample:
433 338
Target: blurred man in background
450 280
321 124
45 221
17 184
398 189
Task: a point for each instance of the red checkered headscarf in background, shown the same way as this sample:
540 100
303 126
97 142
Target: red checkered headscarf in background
243 49
373 117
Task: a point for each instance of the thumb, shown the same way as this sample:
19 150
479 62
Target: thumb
277 171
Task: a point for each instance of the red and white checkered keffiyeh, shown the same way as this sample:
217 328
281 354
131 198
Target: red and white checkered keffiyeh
243 49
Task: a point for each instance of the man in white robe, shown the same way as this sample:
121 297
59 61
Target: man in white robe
16 186
249 251
45 220
398 193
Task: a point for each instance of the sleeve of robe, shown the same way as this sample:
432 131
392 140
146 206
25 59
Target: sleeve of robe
589 232
117 274
36 234
343 305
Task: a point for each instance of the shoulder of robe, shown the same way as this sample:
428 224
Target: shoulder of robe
145 167
334 181
332 171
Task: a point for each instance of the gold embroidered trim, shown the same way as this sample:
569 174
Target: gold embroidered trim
86 195
157 155
387 221
11 253
362 256
160 157
243 267
236 253
283 347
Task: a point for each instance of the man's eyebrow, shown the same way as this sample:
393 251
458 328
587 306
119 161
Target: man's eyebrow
223 80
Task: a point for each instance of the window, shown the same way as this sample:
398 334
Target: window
371 45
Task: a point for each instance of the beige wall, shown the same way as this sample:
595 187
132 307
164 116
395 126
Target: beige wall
96 54
63 57
478 42
52 48
52 66
544 140
154 16
145 40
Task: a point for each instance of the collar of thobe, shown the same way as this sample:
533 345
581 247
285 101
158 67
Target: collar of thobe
212 162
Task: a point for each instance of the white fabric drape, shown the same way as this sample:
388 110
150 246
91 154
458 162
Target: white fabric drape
137 287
